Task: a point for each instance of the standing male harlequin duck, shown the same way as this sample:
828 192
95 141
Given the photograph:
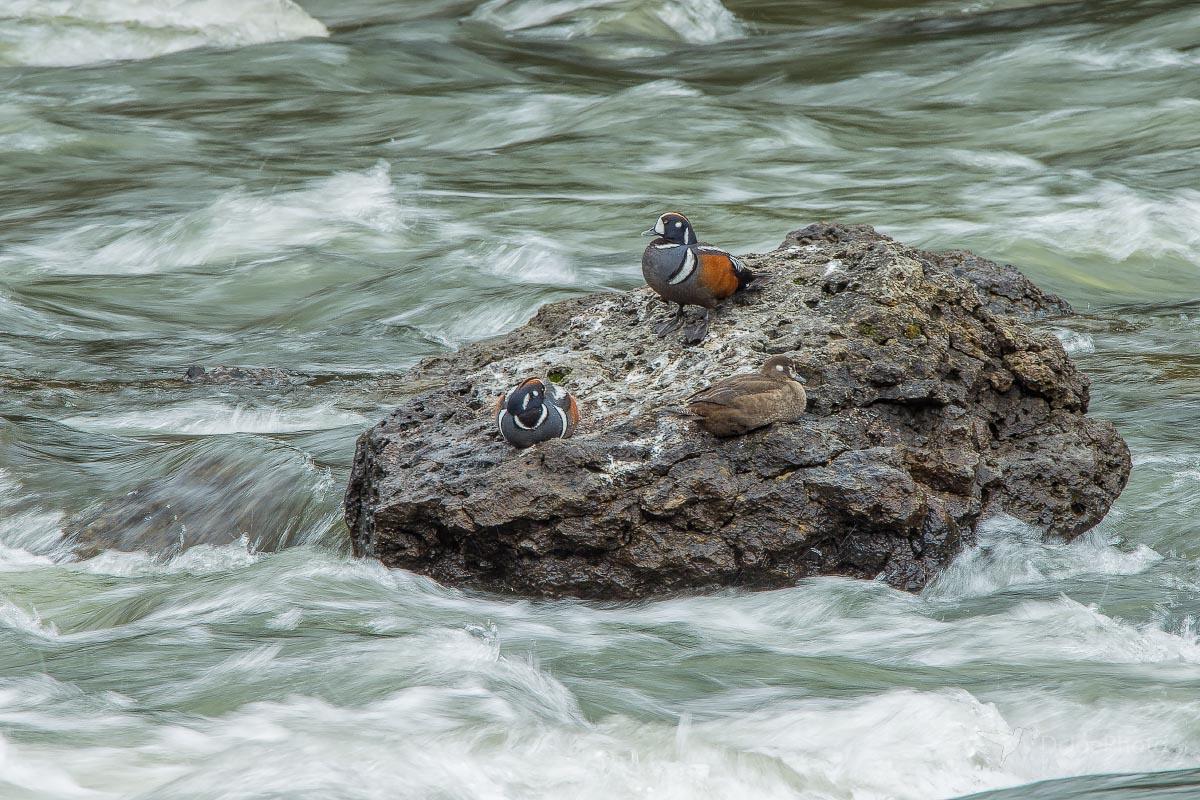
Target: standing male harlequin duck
743 403
534 411
683 270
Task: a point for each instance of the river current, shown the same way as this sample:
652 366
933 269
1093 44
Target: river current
341 187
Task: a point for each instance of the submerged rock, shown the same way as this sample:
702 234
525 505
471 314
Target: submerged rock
932 402
259 376
270 499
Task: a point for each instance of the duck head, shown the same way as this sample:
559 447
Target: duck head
527 403
781 366
674 227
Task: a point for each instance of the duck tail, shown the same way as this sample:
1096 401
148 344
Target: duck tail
744 275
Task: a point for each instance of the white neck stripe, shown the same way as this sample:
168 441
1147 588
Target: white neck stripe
537 424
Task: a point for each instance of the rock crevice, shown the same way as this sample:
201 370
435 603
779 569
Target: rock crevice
932 402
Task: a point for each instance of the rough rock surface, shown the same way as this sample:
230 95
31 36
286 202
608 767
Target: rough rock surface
932 403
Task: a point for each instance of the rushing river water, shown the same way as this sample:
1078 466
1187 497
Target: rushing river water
343 188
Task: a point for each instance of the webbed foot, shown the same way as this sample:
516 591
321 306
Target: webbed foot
662 329
695 333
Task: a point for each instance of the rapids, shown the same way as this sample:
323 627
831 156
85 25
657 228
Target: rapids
341 188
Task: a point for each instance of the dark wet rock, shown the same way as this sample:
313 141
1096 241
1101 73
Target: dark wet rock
256 376
932 403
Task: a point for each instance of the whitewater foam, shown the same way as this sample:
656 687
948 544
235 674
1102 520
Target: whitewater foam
22 770
27 530
697 21
22 129
1119 238
1011 554
58 33
1118 222
474 710
537 260
206 418
238 226
493 319
1075 342
29 621
468 739
201 559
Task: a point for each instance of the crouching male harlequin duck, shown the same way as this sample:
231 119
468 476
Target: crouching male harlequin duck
744 403
685 271
534 411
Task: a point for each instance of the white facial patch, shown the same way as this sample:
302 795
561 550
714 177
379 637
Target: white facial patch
660 227
689 266
687 236
779 367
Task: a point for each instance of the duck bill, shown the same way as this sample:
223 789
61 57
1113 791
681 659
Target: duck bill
650 232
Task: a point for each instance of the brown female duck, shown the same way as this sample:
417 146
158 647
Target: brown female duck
746 402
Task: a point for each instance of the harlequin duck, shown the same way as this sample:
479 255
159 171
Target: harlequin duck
534 411
685 271
743 403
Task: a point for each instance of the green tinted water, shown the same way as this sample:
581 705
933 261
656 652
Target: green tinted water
343 188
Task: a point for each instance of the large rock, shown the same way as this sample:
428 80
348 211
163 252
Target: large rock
932 403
